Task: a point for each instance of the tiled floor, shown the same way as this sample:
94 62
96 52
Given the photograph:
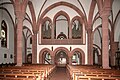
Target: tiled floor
60 74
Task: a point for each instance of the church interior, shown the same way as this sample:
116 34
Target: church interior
59 39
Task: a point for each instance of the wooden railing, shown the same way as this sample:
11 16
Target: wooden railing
61 42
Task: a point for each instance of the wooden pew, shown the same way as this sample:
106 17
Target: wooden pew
20 76
39 72
92 73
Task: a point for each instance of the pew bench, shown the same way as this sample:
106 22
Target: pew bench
26 72
92 73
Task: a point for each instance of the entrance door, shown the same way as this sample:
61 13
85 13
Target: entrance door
61 59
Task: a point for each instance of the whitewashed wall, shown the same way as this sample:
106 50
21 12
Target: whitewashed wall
10 48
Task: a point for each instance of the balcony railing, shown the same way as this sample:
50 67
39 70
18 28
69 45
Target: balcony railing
61 41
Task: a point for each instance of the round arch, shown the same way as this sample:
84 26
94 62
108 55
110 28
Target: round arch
41 54
61 48
64 50
82 54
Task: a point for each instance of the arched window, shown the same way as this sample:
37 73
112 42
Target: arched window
76 29
3 34
61 27
46 30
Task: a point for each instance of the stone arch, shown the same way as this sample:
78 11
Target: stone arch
59 4
50 27
45 19
99 54
81 21
64 49
61 13
65 15
61 48
41 54
82 54
26 36
77 17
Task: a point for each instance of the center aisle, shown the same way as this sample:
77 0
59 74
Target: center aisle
60 74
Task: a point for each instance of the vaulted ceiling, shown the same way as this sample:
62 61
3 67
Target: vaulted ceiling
37 9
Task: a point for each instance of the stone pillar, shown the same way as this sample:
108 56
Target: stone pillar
19 40
52 30
20 8
70 60
114 48
52 59
34 48
100 60
15 46
70 31
90 47
41 60
25 50
105 42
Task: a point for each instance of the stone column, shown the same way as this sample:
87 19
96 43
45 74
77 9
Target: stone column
100 60
90 47
52 31
114 48
25 51
105 42
34 48
70 60
70 31
19 40
52 59
15 46
20 8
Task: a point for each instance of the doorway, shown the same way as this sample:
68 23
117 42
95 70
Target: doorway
61 58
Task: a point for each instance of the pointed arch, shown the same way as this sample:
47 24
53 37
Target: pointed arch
34 28
59 4
61 13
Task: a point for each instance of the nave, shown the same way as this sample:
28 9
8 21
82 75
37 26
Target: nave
52 72
60 74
